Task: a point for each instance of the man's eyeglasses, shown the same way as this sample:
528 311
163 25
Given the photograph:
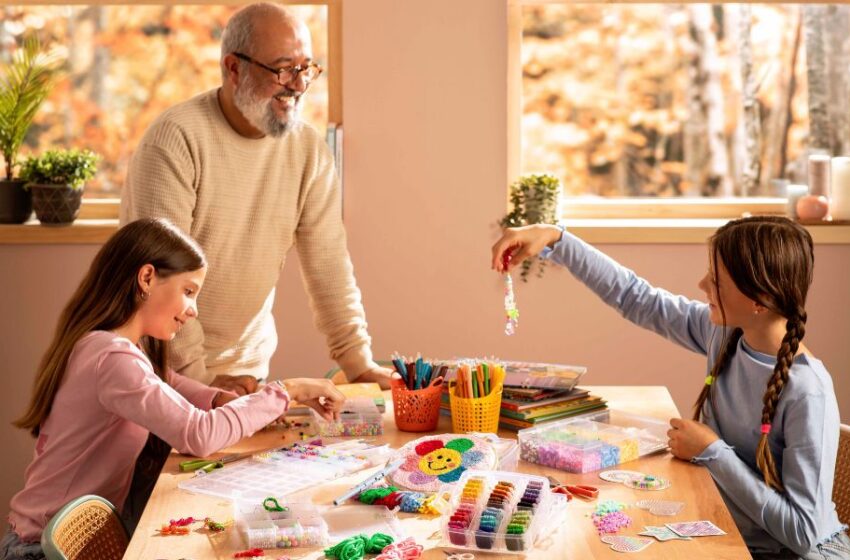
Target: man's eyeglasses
286 74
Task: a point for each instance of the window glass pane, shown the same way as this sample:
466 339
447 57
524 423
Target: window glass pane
127 64
646 99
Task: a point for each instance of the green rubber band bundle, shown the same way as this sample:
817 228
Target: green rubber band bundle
356 547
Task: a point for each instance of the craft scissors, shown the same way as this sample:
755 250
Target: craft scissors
459 555
208 465
581 491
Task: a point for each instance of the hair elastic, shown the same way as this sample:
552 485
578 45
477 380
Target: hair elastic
765 428
709 379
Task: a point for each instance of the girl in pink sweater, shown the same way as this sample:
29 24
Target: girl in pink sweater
104 382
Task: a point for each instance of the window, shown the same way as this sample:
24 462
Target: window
126 64
693 103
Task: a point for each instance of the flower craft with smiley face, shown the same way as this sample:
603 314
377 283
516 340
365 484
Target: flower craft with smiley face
431 461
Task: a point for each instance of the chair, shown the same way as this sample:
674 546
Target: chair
87 528
841 486
337 376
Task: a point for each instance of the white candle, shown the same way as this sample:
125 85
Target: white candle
794 192
839 202
819 175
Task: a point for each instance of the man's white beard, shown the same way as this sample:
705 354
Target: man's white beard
259 112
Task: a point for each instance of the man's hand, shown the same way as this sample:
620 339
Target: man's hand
239 384
379 375
224 397
689 438
318 394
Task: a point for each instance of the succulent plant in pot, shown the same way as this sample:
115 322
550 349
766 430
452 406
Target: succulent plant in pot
56 179
534 199
25 83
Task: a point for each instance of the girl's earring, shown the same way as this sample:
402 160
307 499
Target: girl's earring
144 295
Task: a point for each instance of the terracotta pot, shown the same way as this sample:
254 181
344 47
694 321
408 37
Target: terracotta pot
15 202
56 205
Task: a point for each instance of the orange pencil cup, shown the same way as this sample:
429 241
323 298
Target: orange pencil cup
475 415
416 411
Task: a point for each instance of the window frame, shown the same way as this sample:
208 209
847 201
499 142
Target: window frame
623 208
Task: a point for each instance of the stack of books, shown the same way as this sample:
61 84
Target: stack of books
535 393
524 407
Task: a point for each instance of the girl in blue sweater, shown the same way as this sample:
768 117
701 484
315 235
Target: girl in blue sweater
766 423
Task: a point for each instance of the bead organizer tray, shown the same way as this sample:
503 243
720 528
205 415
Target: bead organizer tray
592 442
298 525
359 417
498 511
281 472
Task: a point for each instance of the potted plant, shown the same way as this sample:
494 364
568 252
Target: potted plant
25 83
535 201
56 179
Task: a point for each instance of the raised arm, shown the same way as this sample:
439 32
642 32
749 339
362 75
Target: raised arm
676 318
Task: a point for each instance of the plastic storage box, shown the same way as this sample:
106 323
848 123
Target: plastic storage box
499 511
592 442
359 417
298 525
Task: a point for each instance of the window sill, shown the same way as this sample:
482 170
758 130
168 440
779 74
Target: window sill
680 231
609 230
81 232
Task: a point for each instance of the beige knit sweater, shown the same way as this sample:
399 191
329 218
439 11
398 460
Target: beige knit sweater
247 201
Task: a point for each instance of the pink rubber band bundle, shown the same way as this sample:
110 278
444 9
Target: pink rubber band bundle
402 550
765 428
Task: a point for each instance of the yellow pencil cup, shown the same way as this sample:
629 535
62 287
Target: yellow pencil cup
475 415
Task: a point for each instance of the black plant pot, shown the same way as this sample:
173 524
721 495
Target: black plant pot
15 202
56 205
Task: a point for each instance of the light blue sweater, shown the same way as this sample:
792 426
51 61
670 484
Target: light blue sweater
804 438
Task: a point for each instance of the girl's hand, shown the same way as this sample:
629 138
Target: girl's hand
318 394
689 438
522 243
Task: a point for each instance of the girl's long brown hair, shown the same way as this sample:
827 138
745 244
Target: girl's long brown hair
107 298
771 261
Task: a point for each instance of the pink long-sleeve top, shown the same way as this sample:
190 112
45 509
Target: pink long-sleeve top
108 401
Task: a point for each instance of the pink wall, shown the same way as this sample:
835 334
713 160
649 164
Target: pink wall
425 185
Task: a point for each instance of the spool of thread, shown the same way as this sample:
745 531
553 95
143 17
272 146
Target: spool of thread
819 166
839 202
794 194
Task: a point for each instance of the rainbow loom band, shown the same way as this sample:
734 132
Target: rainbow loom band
765 428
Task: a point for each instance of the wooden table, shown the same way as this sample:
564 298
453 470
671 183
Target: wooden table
576 539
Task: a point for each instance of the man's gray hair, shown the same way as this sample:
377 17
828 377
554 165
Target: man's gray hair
240 29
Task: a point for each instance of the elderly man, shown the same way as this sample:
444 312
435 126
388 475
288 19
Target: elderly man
236 169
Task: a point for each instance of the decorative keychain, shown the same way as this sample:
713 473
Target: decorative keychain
511 311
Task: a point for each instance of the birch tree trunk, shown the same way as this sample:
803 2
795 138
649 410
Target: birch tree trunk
816 71
67 109
838 60
100 62
752 119
734 94
776 128
705 147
